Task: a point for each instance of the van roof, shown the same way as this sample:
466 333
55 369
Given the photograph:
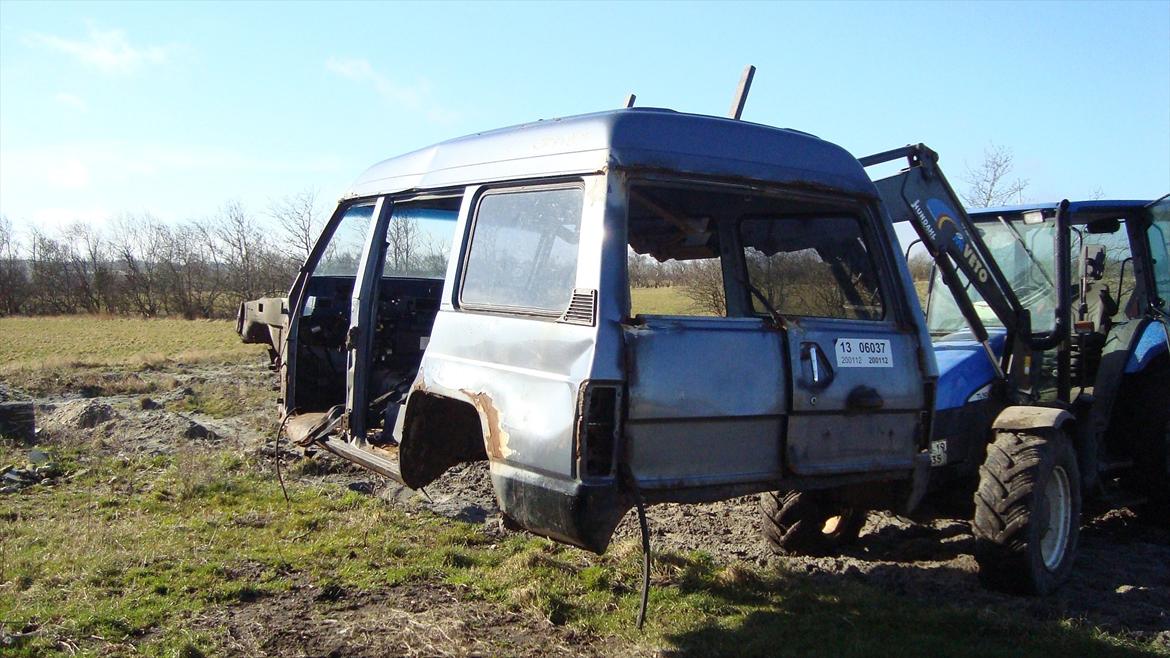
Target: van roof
635 138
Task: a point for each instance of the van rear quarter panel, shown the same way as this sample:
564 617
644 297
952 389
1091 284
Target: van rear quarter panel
521 372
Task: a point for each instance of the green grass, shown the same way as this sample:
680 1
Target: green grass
37 342
224 399
131 549
662 301
98 355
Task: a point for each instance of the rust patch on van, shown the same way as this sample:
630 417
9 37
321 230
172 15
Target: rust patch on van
496 441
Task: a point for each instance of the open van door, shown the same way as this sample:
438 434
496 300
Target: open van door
315 350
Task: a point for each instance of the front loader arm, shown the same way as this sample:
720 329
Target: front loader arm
921 195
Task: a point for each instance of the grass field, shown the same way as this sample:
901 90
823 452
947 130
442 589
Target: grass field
96 355
100 340
132 551
661 301
129 554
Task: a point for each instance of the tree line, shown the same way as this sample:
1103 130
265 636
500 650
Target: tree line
140 265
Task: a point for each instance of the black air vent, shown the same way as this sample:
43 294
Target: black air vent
582 308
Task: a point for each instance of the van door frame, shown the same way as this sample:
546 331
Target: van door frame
296 303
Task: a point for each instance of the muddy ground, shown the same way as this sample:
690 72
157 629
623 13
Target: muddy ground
1121 581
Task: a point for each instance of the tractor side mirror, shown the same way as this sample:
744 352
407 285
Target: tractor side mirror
1093 262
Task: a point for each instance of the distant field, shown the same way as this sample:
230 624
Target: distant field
89 340
661 301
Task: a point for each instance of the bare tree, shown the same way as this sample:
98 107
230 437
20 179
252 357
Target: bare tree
244 246
402 243
921 266
13 277
702 283
990 184
299 220
139 248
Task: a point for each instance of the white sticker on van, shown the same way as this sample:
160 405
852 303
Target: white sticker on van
864 353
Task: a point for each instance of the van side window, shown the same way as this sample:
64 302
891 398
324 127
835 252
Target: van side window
418 238
673 260
523 252
811 265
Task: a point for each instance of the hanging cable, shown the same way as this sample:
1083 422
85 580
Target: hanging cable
277 457
640 505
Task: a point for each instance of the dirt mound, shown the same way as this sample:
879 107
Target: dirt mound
129 429
80 414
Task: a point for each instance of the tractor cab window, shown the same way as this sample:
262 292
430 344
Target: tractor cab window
1025 253
1159 234
1101 270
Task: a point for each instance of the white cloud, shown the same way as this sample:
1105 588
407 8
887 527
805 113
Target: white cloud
70 172
76 166
58 217
105 50
417 98
72 101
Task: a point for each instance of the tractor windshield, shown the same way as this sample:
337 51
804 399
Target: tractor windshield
1024 252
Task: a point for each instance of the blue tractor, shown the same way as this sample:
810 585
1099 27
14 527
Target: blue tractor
1051 336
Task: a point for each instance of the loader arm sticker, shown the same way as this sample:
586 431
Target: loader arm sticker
938 219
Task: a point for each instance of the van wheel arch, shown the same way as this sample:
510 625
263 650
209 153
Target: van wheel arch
438 432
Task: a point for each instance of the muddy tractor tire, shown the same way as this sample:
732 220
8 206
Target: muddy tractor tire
802 523
1027 512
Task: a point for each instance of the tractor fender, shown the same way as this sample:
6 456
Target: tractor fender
1031 418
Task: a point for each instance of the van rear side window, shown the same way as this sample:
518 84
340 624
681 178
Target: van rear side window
523 252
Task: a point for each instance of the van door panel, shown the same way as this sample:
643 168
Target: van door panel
859 410
706 400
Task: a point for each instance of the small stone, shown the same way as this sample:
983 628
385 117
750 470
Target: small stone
38 456
148 404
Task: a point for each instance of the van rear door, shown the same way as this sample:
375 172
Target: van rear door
856 382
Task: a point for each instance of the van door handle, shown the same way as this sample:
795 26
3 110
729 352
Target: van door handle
864 398
820 373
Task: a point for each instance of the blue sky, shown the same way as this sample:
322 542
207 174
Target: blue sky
174 108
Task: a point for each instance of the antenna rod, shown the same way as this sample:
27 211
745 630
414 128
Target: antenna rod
745 85
630 100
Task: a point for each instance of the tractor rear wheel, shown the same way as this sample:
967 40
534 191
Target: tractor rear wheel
1027 512
804 523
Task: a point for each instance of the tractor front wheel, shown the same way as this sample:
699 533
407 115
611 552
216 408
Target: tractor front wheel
1027 512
